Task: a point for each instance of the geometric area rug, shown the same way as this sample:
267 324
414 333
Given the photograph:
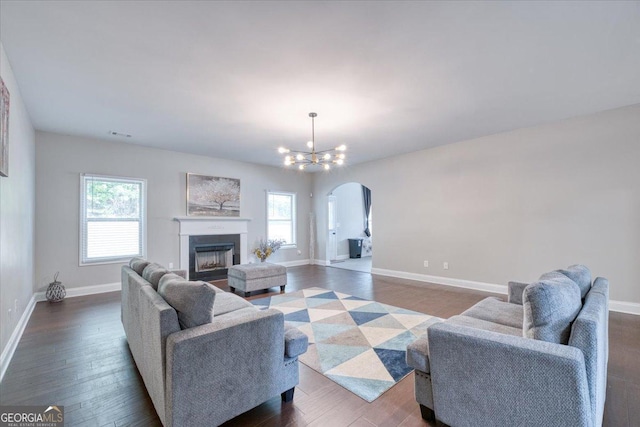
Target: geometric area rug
357 343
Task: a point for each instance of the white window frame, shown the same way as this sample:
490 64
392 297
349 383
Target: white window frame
83 261
294 215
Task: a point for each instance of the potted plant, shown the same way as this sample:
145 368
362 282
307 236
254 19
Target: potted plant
267 247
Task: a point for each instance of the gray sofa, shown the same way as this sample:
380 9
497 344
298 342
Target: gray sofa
205 355
539 359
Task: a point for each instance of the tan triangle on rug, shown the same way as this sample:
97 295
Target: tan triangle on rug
409 320
377 336
387 321
350 337
299 303
331 305
315 314
343 318
353 304
365 365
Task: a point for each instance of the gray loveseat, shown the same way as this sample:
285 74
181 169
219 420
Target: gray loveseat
539 359
213 356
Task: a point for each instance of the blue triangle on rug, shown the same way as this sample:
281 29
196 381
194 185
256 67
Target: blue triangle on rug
394 361
374 307
298 316
361 317
355 299
399 342
262 301
328 295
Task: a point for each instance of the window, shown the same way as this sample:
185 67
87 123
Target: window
112 219
281 217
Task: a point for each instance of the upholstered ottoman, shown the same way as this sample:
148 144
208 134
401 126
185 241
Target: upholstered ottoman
253 277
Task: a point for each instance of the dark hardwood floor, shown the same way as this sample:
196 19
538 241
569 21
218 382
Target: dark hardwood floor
75 354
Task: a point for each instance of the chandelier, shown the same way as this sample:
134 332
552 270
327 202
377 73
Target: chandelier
324 158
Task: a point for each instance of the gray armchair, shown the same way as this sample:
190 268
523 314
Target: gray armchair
497 364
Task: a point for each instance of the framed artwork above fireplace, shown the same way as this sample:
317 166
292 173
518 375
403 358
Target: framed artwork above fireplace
212 196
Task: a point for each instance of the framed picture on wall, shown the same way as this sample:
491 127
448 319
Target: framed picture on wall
212 196
4 129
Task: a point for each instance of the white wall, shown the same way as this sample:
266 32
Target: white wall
60 159
17 208
349 215
510 206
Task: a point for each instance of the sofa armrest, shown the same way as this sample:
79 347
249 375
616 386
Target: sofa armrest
498 379
418 354
295 341
208 367
515 292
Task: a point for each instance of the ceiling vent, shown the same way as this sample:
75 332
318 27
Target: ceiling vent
124 135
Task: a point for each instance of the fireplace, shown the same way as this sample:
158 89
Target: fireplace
225 235
211 256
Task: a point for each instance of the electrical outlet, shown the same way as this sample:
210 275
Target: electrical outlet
10 314
426 263
445 265
170 265
299 252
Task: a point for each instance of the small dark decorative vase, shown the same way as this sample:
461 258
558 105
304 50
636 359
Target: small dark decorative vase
56 291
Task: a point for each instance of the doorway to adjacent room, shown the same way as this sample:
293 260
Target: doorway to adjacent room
349 228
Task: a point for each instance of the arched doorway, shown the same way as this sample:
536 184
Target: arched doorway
349 228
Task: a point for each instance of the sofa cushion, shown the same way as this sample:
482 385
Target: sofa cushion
169 278
550 306
193 301
485 325
552 275
494 310
152 273
138 265
226 303
581 275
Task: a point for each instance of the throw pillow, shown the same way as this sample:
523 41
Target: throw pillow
193 301
152 273
169 278
550 307
138 265
581 275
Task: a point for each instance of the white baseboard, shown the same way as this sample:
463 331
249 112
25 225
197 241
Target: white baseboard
85 290
295 263
320 262
459 283
617 306
624 307
342 257
14 339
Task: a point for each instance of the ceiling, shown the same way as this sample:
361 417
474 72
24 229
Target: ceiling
238 79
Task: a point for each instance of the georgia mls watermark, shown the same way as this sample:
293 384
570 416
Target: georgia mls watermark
32 416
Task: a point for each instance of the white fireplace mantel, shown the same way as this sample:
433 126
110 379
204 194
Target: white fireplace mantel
202 226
